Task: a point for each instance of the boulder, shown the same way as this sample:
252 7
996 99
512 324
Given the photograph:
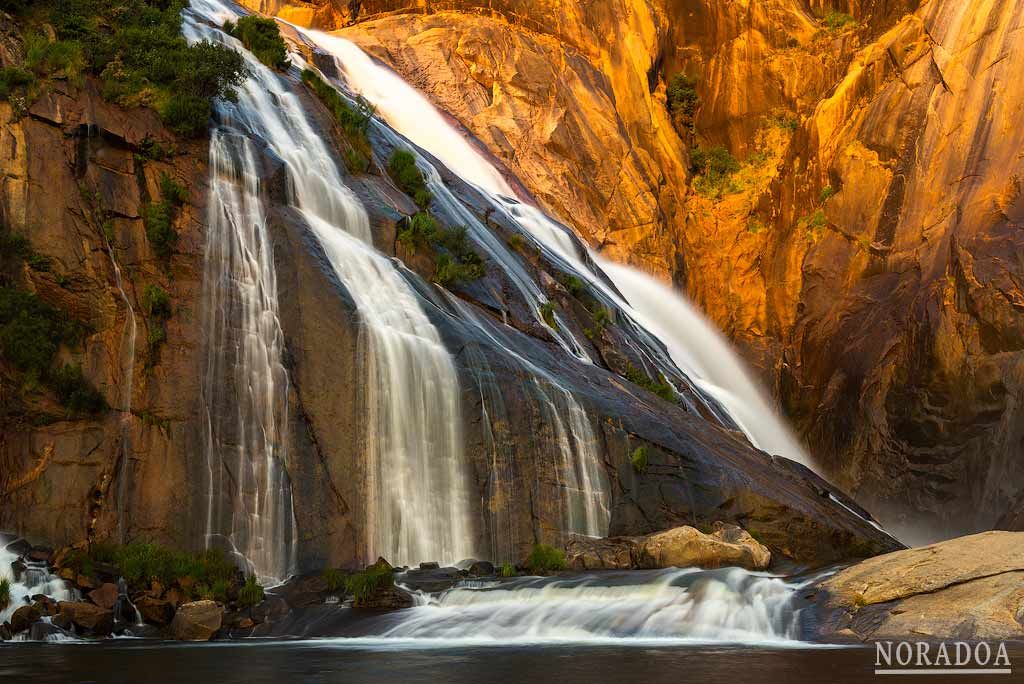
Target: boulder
154 611
386 598
269 609
432 580
683 547
23 618
88 617
481 569
104 596
197 621
6 633
679 547
969 588
611 553
46 605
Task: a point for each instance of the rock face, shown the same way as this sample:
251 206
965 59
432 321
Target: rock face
867 264
87 617
966 588
699 470
197 621
680 547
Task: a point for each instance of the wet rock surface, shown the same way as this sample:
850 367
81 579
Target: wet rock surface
197 621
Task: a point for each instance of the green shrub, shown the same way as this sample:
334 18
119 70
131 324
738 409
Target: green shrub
826 193
683 99
784 120
403 170
31 331
251 593
218 591
60 58
419 232
517 242
5 593
354 122
157 302
335 580
838 21
660 387
714 168
507 570
262 38
136 50
362 585
141 562
158 218
574 285
544 559
14 80
450 271
75 393
639 459
547 313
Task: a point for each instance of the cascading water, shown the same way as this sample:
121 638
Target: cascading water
728 605
693 345
419 506
34 579
245 386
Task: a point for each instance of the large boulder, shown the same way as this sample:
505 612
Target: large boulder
683 547
965 588
197 621
680 547
23 618
104 596
154 611
87 617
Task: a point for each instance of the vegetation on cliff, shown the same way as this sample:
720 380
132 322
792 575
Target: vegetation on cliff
140 563
262 38
136 51
353 122
403 170
682 100
457 262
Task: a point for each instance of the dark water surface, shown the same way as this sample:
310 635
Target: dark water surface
125 662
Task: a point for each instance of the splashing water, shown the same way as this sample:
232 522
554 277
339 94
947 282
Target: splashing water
35 579
729 605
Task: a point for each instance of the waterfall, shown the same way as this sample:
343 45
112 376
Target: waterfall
727 605
419 504
727 390
34 579
245 386
128 338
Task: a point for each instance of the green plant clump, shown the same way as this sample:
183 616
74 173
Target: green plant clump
141 562
261 36
354 122
714 168
544 559
74 391
507 570
838 21
683 100
826 193
136 50
335 580
660 387
156 302
403 170
362 585
158 217
15 81
547 312
31 331
251 593
639 459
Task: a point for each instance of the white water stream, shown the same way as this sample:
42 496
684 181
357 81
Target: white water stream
695 346
419 505
729 605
